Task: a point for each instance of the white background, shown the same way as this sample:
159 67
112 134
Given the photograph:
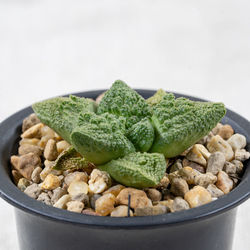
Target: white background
49 48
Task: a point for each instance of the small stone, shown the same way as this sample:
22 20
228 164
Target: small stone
33 190
30 121
93 199
90 211
218 144
121 211
105 204
138 198
23 183
49 192
115 190
229 168
28 148
179 204
179 186
33 141
61 203
241 155
35 176
173 175
176 166
75 206
237 141
154 194
48 170
197 196
215 162
239 166
226 131
167 203
84 198
33 132
146 211
216 129
78 187
196 166
99 181
188 174
205 179
44 197
214 191
163 183
198 154
50 151
16 176
57 194
224 183
26 164
235 178
61 146
51 182
76 176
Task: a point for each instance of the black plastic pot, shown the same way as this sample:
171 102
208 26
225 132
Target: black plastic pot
41 227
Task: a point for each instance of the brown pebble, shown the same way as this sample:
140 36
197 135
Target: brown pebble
28 148
50 151
224 183
138 198
179 186
197 196
226 131
30 121
194 165
146 211
16 176
154 194
105 204
90 211
26 164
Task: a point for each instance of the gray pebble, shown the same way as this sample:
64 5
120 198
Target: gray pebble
57 194
214 191
84 198
179 204
176 166
229 168
35 176
215 162
93 199
44 197
33 190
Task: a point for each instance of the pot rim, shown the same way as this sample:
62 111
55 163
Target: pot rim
10 193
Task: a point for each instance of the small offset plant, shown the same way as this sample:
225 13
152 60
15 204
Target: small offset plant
126 135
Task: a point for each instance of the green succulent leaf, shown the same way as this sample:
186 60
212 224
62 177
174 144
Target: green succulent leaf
138 170
141 135
179 123
100 138
121 100
61 113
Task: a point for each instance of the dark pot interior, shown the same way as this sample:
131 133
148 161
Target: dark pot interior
31 211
